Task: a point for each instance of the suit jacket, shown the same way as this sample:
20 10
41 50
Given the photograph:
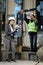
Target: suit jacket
9 34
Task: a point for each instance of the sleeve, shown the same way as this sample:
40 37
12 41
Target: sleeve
8 31
25 18
12 32
36 23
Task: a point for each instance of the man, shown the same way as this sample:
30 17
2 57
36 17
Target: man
32 30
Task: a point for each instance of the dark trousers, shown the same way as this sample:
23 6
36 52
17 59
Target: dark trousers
33 41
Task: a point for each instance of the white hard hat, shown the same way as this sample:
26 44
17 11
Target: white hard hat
32 13
11 18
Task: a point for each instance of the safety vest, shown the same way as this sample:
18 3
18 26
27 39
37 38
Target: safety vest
32 27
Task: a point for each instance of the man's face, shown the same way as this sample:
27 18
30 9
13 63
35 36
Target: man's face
32 17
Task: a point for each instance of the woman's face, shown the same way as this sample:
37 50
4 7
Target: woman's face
12 22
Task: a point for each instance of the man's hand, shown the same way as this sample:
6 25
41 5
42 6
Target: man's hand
17 27
22 11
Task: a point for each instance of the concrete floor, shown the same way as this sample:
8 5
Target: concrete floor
21 63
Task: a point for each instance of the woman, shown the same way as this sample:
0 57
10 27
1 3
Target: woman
10 38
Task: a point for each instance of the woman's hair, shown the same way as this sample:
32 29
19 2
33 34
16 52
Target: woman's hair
9 22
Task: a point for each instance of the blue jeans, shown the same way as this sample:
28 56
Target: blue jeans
33 42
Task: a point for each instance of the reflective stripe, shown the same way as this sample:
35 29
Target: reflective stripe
32 27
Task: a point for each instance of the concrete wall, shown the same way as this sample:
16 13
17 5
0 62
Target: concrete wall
28 4
10 7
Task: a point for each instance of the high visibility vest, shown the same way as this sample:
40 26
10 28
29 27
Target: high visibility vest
32 27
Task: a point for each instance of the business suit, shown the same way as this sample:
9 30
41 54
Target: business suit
9 36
